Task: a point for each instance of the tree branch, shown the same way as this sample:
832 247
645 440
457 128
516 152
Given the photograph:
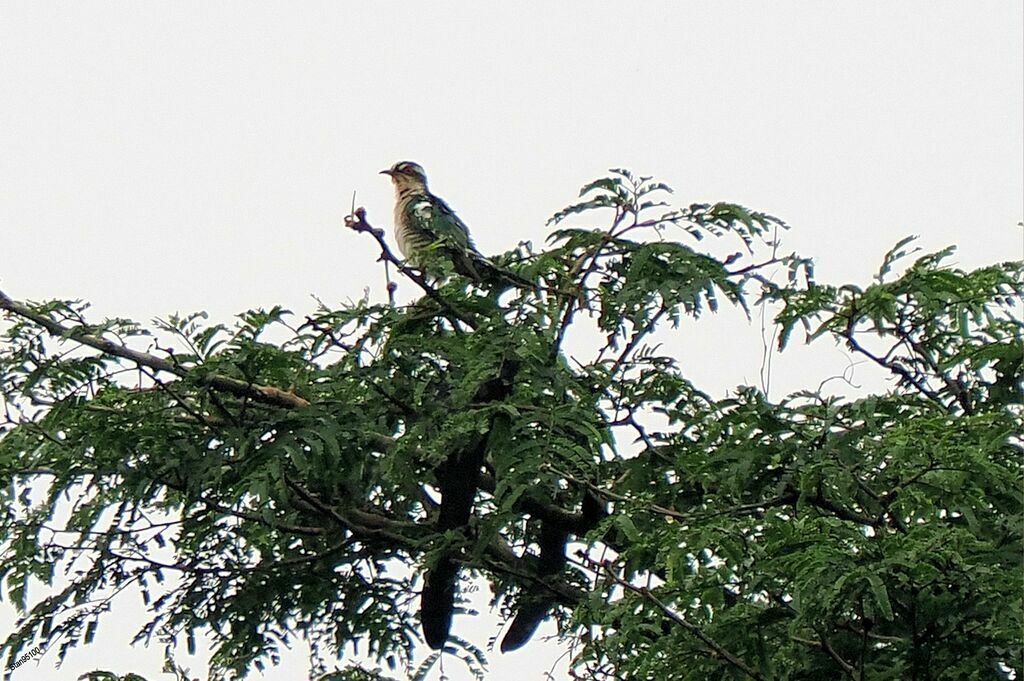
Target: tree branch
261 393
357 222
676 618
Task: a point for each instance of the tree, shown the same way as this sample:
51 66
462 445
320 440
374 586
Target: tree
285 469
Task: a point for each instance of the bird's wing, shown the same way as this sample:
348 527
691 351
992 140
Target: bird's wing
427 219
433 218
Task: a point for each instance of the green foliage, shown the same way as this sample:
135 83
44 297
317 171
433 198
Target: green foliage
271 479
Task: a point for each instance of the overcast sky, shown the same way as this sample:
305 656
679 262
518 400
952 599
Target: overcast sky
192 155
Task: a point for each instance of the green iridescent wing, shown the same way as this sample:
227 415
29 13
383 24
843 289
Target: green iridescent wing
431 219
428 221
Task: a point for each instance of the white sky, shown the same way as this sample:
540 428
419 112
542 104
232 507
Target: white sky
175 157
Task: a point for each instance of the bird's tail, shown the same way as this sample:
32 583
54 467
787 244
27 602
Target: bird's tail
476 266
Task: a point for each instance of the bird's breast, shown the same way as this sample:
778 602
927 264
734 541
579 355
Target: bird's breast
411 213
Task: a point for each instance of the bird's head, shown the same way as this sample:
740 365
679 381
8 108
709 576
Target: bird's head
407 174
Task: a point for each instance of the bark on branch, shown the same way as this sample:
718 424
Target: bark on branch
260 393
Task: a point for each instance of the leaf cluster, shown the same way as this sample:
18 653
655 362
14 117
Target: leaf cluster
276 478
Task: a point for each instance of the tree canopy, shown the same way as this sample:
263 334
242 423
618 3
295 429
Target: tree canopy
278 478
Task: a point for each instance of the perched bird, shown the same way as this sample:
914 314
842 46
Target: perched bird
423 220
428 233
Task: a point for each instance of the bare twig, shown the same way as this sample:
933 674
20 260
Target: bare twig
357 222
892 366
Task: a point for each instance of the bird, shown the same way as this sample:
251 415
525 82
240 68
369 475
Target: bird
425 226
423 220
428 232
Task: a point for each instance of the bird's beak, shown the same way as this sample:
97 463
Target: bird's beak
386 172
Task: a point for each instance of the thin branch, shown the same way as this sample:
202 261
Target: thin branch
676 618
259 567
357 222
612 496
847 668
361 523
892 366
200 418
582 271
261 393
954 388
756 266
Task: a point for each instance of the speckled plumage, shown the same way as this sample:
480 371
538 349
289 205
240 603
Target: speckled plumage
422 219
